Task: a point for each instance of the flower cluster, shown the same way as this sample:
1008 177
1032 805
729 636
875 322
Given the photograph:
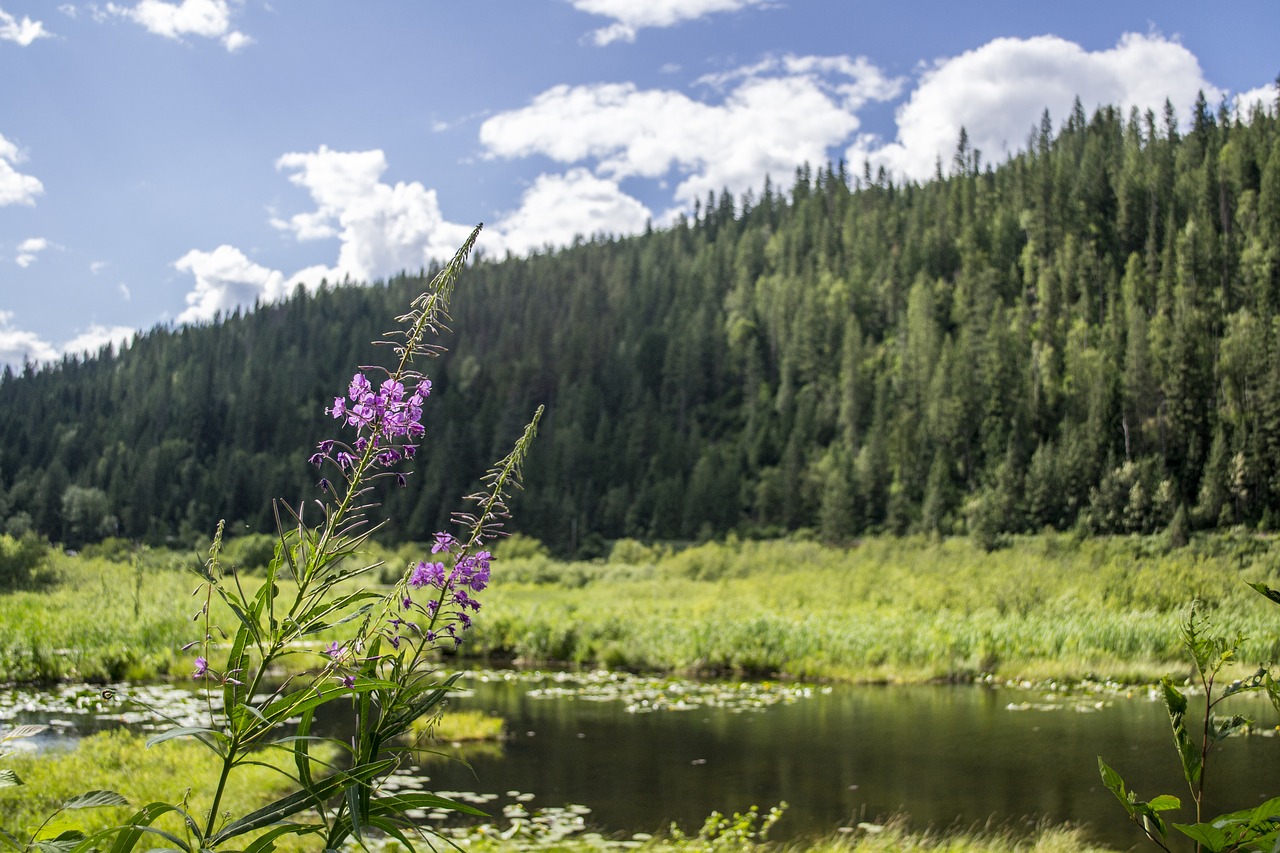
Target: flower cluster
388 420
450 592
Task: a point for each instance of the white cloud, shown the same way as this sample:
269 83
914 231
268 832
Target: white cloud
15 187
630 16
124 291
22 32
775 116
558 207
18 346
28 250
998 92
226 278
96 337
96 267
1264 95
204 18
382 228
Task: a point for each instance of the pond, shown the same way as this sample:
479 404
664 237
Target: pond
641 753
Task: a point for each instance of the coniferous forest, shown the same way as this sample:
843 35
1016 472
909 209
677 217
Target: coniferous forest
1082 336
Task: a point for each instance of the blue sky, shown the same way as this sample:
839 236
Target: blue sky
162 161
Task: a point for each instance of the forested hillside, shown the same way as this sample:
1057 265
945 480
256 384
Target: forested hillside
1085 334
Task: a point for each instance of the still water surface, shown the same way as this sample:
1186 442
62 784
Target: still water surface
945 756
960 756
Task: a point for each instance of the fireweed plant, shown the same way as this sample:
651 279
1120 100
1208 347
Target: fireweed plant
385 670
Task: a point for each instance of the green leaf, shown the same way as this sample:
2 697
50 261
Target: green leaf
266 842
21 732
301 744
1188 752
95 799
310 698
1206 835
1267 591
210 738
391 829
1164 803
300 800
1222 728
232 693
399 803
129 834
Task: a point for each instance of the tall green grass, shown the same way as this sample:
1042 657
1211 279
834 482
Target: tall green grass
1048 606
889 609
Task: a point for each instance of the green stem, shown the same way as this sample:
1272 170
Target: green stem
227 763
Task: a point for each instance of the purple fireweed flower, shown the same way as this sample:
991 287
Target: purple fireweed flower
401 480
406 602
338 409
334 649
427 574
359 387
202 667
317 459
394 640
326 446
443 542
345 460
348 681
325 485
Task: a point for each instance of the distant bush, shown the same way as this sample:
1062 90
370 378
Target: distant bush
250 552
20 557
519 546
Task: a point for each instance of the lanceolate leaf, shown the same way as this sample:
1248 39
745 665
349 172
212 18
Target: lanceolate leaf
1176 704
21 732
94 799
296 802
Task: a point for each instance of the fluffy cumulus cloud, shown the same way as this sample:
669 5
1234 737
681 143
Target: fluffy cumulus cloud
1265 96
772 117
15 187
18 346
630 16
225 278
29 249
204 18
23 32
96 337
559 207
382 228
998 92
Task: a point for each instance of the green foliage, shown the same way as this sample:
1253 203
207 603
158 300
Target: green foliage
1085 333
743 830
20 557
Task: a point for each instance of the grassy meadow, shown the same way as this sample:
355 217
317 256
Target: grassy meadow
1043 607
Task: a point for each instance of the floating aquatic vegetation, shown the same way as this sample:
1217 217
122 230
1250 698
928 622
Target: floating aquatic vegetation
646 694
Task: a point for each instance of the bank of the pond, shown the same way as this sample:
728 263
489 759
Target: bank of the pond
887 609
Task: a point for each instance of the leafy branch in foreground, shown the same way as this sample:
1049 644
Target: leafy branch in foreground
385 667
1250 829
